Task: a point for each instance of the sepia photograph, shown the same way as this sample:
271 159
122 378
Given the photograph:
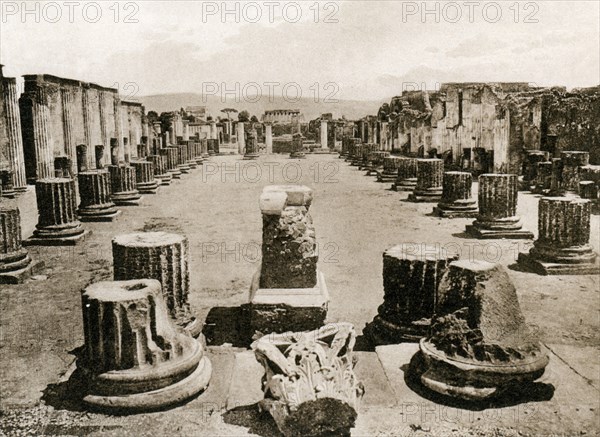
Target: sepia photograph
311 218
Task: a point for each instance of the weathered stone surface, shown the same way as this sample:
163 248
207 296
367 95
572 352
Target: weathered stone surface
543 178
172 161
182 159
160 256
457 200
297 146
15 263
366 151
430 175
572 161
353 143
479 346
406 179
123 185
146 183
411 275
310 386
251 151
160 169
135 358
390 169
563 245
95 197
57 214
357 155
498 217
375 161
530 167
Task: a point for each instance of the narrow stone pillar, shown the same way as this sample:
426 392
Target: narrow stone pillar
145 182
135 359
543 177
95 197
572 162
6 184
87 126
14 140
269 138
172 155
68 119
209 148
123 185
390 169
498 194
479 346
366 154
457 199
251 151
411 274
38 115
297 146
317 367
562 246
241 138
186 130
430 176
15 263
530 167
183 165
407 175
160 256
191 156
57 214
160 169
556 184
324 134
287 293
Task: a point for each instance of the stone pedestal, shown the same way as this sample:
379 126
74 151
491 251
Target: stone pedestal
210 147
309 383
15 263
57 214
375 162
123 185
457 200
251 151
297 146
480 346
352 147
357 155
241 138
430 176
160 169
530 167
366 155
171 155
562 247
572 162
407 175
390 169
146 183
197 156
95 197
269 138
411 276
543 177
7 189
498 217
160 256
135 359
287 294
183 162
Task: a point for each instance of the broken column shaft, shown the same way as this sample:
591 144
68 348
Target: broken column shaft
160 169
407 175
572 162
457 199
123 185
543 177
95 197
390 169
172 157
430 175
146 183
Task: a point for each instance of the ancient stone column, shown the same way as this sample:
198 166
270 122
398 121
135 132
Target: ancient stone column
407 175
390 169
543 177
571 169
68 119
532 158
269 138
324 143
87 126
123 185
497 218
357 156
172 157
457 199
160 169
160 256
38 114
191 157
251 151
297 146
57 214
288 293
135 359
375 162
183 165
241 138
209 148
411 274
562 246
95 197
6 184
14 140
297 395
15 263
556 184
430 176
366 154
146 183
479 346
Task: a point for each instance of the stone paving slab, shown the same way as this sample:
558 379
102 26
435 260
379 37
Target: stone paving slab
378 391
245 387
583 360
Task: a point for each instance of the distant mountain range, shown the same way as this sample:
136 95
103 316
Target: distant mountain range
351 109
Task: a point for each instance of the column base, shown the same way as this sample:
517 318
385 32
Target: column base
100 213
9 194
473 381
430 195
381 331
127 198
278 310
136 397
297 155
386 177
587 263
16 267
251 156
509 228
199 160
405 185
175 173
184 168
465 208
373 170
192 164
164 179
147 187
57 237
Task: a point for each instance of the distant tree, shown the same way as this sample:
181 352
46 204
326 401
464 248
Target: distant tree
152 116
229 111
254 119
165 120
244 116
209 118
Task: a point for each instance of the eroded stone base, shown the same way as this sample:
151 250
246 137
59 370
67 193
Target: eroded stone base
18 267
457 209
50 238
482 233
381 331
100 215
531 263
426 196
130 198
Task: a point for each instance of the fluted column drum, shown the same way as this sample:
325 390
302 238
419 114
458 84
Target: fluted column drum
530 167
57 213
390 169
406 179
14 149
497 218
543 177
160 256
357 156
171 157
146 183
191 158
457 199
182 159
15 263
430 176
160 169
375 161
95 197
572 161
123 185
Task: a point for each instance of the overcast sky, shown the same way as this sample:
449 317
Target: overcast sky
368 49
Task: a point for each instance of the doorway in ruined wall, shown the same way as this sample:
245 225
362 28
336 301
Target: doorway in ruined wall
81 154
